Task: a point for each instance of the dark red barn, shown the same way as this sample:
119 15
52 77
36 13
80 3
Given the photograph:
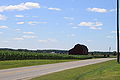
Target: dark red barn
79 50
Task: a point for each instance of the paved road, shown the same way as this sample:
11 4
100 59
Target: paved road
25 73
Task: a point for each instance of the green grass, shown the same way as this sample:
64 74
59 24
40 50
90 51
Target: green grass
23 63
109 70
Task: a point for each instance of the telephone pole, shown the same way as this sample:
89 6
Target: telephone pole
118 55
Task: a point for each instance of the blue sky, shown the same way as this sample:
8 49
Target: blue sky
58 24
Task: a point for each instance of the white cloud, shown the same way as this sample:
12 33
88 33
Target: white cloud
110 37
20 22
35 22
112 10
28 32
28 37
86 24
25 37
56 9
18 38
47 40
115 32
98 24
31 22
95 28
52 40
19 16
2 17
71 35
71 23
17 29
3 27
42 41
20 7
92 25
69 18
100 10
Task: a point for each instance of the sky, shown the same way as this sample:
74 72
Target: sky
58 24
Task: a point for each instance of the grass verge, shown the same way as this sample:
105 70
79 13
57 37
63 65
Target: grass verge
23 63
109 70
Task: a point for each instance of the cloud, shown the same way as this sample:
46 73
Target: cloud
71 23
17 29
98 24
110 37
52 40
32 23
20 7
20 22
95 28
3 27
28 37
28 32
56 9
113 10
47 40
51 8
2 17
100 10
71 35
69 18
42 41
35 22
89 41
115 32
92 25
20 16
25 37
86 24
18 38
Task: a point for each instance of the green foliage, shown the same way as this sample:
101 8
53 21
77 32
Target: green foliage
22 55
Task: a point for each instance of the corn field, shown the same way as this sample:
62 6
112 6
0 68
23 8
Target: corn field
21 55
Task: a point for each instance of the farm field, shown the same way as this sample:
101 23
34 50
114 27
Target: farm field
109 70
13 59
21 55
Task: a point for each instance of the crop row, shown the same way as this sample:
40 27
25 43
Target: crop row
21 55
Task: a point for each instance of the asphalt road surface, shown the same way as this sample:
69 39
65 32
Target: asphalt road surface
25 73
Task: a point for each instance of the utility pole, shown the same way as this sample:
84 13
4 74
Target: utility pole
109 49
118 31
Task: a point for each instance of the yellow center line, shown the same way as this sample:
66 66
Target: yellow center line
24 70
39 68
